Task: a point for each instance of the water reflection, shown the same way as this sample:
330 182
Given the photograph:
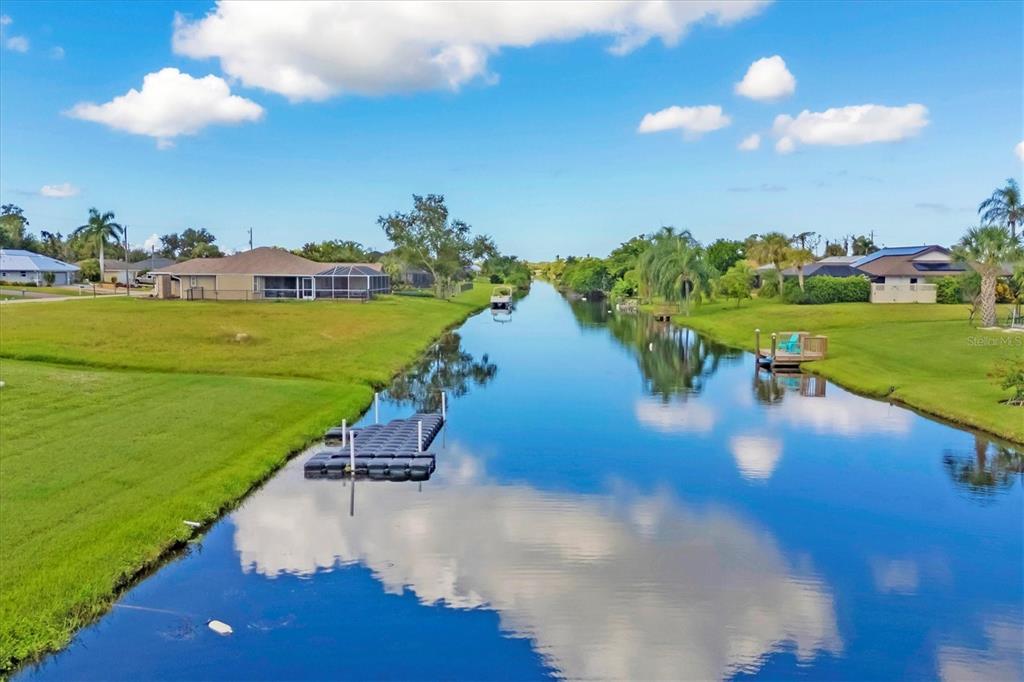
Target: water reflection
771 387
625 586
673 361
1000 658
446 366
989 468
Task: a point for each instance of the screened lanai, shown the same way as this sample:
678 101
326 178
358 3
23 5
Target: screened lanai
351 281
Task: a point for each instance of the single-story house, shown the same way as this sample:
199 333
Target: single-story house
898 274
120 269
268 273
18 265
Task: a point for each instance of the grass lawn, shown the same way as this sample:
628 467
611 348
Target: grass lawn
925 356
121 419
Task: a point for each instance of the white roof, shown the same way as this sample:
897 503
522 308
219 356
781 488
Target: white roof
26 261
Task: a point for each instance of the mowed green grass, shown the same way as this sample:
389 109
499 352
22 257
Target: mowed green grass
925 356
310 339
100 465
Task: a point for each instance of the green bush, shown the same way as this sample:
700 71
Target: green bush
791 292
769 286
947 290
825 289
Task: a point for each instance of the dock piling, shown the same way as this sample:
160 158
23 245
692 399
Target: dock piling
344 432
376 408
757 346
419 436
444 407
774 342
352 456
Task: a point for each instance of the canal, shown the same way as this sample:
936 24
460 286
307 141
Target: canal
613 499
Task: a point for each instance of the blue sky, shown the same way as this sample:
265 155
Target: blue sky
530 129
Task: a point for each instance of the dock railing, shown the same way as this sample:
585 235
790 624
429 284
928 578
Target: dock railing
808 347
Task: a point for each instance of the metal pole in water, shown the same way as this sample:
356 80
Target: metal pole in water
376 408
773 350
344 432
419 436
444 408
757 345
352 456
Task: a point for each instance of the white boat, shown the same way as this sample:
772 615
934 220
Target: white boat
501 298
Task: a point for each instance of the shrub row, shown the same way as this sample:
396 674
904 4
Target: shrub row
825 289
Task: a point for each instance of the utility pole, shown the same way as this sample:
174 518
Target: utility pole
250 239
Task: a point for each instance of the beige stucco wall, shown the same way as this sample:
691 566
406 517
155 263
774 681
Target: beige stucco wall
903 293
242 283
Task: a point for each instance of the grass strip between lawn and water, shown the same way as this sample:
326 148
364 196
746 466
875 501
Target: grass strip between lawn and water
122 419
923 355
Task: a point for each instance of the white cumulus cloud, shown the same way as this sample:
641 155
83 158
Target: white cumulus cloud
171 103
314 50
17 44
860 124
766 79
61 191
152 242
750 143
1019 150
5 20
693 121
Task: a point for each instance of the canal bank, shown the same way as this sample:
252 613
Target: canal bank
923 356
614 499
174 426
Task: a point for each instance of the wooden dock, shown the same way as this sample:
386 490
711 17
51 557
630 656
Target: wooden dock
790 349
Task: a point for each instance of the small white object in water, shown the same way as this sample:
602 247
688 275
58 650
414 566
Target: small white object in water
193 524
220 627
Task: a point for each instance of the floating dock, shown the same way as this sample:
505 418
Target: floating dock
396 451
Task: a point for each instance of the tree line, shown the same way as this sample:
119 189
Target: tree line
672 266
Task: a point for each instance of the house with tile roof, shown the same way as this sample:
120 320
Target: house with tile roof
898 274
269 273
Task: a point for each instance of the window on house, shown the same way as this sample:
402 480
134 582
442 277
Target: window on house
193 280
23 273
913 280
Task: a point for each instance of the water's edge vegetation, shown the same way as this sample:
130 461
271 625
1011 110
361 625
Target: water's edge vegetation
201 430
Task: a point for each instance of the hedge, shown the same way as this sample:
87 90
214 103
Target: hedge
947 290
825 289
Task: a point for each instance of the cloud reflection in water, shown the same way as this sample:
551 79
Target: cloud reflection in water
618 586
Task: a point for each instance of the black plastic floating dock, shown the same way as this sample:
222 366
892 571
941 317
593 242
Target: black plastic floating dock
382 451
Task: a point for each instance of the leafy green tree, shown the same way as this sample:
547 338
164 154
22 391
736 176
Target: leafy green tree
724 253
862 245
334 251
587 275
1004 207
89 269
52 244
13 229
627 286
985 249
806 240
625 256
482 247
426 238
192 243
771 248
737 282
835 249
100 230
676 268
170 245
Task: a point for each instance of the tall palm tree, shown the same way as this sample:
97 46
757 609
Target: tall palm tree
1003 207
100 228
773 248
675 267
985 249
798 258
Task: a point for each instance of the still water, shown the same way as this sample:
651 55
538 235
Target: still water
613 499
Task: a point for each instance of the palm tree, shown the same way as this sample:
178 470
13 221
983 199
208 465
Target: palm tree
773 248
101 228
675 267
1003 207
985 249
798 258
